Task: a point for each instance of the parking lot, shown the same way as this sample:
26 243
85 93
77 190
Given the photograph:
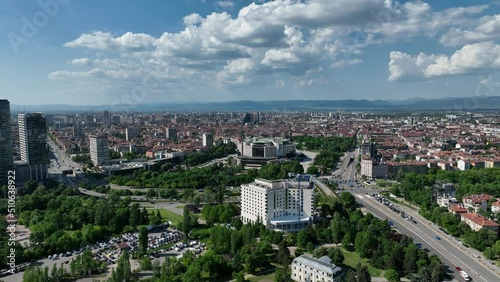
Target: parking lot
108 251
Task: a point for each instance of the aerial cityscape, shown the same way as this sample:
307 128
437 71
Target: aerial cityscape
265 140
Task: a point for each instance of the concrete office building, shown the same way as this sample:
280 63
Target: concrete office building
279 205
259 147
6 161
33 144
208 140
99 149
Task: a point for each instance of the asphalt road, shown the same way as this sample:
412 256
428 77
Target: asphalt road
422 232
477 268
447 249
58 159
221 160
310 156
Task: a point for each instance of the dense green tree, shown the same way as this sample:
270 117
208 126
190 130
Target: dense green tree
392 275
351 276
122 272
410 260
337 228
143 240
362 273
282 274
283 256
336 255
193 273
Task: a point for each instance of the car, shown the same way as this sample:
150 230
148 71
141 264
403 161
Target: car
458 268
476 256
437 238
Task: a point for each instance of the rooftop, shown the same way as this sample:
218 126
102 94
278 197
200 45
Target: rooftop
319 264
479 219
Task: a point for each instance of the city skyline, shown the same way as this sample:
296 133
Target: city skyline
202 50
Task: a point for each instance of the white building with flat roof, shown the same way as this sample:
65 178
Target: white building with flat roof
280 205
308 269
259 147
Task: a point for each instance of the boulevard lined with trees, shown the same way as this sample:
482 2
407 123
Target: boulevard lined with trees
419 189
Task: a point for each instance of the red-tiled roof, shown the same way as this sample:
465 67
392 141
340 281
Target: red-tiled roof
456 208
479 219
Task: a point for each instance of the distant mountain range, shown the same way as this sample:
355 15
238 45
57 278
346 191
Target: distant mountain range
476 103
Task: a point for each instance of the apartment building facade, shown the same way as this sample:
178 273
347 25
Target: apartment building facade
279 205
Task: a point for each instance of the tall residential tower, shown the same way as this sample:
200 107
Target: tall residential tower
33 138
99 149
33 144
6 162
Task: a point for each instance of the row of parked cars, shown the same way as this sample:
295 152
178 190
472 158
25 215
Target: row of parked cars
165 238
16 269
67 254
107 251
388 204
194 246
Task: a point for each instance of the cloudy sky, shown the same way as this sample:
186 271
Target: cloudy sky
96 52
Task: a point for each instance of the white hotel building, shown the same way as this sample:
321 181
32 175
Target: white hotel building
279 205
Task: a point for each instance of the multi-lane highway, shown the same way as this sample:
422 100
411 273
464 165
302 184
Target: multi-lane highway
447 249
58 159
423 233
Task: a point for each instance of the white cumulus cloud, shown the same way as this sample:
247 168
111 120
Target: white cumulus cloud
471 59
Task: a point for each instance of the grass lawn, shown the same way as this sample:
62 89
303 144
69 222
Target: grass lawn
352 259
167 215
180 207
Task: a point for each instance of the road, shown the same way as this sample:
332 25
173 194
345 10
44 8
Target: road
447 249
310 156
460 251
217 161
58 159
323 187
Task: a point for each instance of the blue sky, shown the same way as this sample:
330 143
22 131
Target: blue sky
110 52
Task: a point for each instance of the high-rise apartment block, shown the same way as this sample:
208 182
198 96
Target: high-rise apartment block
106 119
6 161
33 138
279 205
131 133
33 146
208 140
99 149
171 133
